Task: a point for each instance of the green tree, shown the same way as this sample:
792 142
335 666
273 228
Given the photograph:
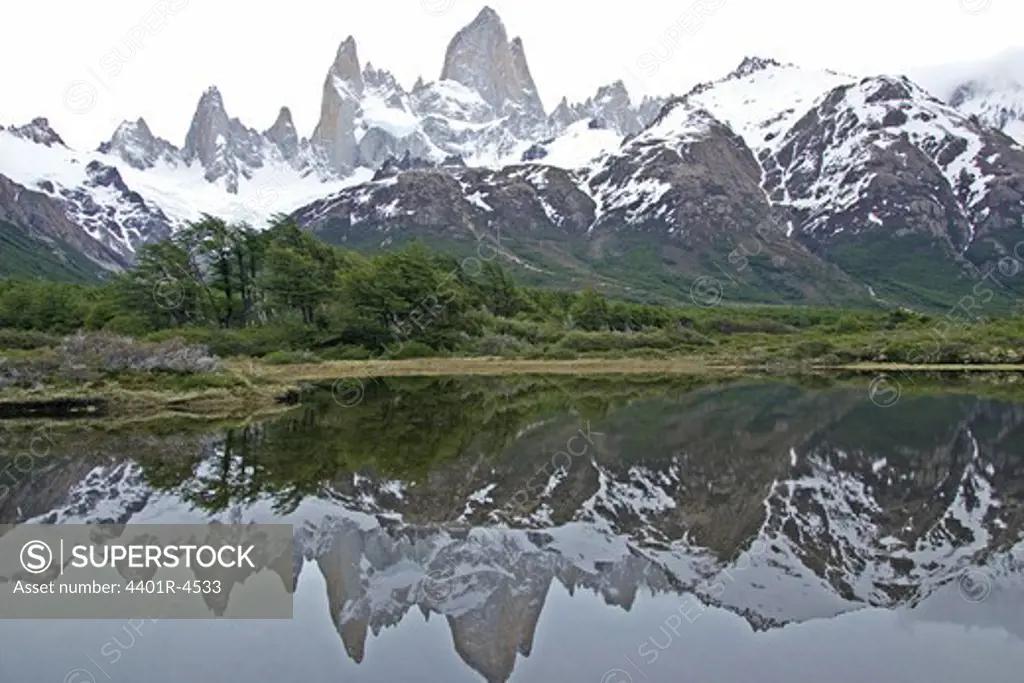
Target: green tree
590 311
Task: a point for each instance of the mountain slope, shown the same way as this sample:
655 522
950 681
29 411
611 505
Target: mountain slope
897 188
992 89
674 203
881 175
26 257
685 193
38 241
775 182
798 185
137 186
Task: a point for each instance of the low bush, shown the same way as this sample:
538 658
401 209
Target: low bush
347 353
527 330
592 342
553 353
497 345
26 339
290 357
812 348
249 341
29 372
410 349
104 352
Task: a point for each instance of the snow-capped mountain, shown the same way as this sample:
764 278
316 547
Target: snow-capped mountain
791 166
777 504
814 172
80 190
484 108
837 167
992 90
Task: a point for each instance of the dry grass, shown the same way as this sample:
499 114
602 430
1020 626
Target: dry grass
311 372
477 366
900 367
146 404
262 385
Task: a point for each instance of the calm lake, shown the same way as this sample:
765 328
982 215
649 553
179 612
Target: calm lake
560 530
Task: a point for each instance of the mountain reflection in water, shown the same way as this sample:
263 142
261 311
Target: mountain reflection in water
574 530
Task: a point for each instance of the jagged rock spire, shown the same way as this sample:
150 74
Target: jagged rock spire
135 143
482 58
284 135
339 107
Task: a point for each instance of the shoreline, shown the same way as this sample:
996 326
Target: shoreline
262 388
426 367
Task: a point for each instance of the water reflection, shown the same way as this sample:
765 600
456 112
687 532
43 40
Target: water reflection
528 529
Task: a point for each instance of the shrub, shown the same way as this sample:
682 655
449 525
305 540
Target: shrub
726 326
555 353
127 324
347 353
28 372
812 349
106 352
290 357
587 342
529 331
410 349
250 341
849 324
25 339
497 345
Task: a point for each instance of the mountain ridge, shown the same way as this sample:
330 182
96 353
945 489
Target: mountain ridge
852 170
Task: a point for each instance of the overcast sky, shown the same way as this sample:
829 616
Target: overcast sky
57 55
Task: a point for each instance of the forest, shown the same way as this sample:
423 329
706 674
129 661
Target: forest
284 296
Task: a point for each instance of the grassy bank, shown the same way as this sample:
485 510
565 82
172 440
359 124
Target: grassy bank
161 399
129 377
328 370
243 388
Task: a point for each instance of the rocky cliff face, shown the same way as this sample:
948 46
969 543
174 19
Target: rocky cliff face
686 186
228 152
134 143
884 157
44 220
343 88
851 173
485 107
482 58
282 133
100 216
39 131
610 107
